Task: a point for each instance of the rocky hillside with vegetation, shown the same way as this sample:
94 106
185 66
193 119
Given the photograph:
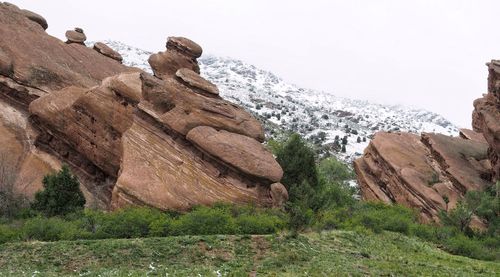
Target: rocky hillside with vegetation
107 169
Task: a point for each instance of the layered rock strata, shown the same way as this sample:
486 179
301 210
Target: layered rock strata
429 172
167 141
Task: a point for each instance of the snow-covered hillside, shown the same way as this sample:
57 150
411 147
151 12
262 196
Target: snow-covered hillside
319 116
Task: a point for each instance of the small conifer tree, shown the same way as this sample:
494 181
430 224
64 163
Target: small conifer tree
61 194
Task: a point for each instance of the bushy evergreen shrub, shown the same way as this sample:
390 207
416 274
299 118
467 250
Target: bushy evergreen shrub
61 194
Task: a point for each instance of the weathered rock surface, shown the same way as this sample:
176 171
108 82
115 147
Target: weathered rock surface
197 83
153 163
486 116
36 18
181 109
123 131
239 151
181 53
429 173
107 51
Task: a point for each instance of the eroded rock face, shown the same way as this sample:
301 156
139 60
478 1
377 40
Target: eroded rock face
486 116
181 53
121 127
124 131
429 173
239 151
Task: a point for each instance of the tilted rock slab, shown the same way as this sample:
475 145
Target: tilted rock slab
154 164
107 51
422 172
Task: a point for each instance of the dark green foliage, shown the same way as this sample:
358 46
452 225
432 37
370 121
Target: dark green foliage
205 221
298 162
125 223
52 229
143 222
378 216
7 234
301 216
61 194
483 204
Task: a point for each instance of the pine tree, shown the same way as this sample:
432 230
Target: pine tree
61 194
298 163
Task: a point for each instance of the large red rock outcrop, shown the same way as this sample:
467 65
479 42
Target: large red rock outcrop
433 172
486 116
429 172
33 64
123 131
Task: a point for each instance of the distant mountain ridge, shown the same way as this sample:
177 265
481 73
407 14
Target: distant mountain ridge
316 115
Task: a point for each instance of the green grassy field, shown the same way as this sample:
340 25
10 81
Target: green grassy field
336 253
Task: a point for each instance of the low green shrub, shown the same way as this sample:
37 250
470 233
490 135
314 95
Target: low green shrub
465 246
378 216
52 229
125 223
205 221
259 224
8 233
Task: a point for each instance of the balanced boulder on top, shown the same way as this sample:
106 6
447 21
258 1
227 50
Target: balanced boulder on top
76 36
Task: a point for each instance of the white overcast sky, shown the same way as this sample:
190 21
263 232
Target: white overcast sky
429 54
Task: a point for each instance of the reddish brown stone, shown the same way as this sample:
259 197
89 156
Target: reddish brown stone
197 82
244 153
421 172
36 18
107 51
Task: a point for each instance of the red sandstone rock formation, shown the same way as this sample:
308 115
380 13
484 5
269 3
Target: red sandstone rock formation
429 173
433 172
486 116
134 139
